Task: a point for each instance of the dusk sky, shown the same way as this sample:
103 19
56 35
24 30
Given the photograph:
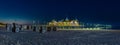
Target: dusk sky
100 11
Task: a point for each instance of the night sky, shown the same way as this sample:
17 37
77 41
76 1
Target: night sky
91 11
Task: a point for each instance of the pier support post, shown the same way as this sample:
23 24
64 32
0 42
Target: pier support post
49 28
54 28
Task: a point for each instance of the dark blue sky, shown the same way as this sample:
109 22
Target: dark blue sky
100 11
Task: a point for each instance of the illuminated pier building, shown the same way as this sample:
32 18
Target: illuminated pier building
65 22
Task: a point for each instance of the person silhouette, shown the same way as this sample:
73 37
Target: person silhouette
20 27
17 28
34 28
40 29
14 27
7 27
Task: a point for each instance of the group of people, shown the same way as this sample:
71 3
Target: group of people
16 28
13 27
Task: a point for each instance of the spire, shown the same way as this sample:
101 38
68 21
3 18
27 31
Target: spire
54 20
66 19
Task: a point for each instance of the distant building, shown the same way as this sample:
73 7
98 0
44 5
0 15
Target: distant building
64 22
2 24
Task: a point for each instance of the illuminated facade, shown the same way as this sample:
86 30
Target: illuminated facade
65 22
